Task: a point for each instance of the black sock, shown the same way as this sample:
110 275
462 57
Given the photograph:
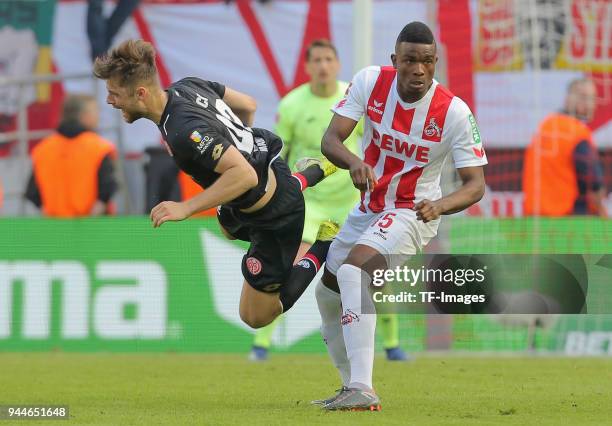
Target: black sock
303 273
310 176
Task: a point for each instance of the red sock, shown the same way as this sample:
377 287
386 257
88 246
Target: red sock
309 177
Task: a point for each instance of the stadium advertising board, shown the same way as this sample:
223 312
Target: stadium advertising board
117 285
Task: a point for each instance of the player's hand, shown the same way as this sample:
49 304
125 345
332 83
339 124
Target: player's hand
427 210
168 210
363 176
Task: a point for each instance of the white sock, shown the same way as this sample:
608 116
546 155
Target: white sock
330 308
358 328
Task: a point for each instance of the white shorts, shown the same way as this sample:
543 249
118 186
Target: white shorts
391 232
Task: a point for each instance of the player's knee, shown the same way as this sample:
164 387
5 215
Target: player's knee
322 294
255 320
347 271
330 281
367 259
258 322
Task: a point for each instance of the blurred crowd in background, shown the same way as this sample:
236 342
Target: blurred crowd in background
537 78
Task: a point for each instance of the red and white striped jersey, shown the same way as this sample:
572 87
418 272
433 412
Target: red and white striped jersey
406 143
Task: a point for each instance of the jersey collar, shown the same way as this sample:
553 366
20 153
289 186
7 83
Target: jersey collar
166 114
407 105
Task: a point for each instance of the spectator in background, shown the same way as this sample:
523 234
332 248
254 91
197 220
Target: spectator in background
102 30
303 116
72 169
562 174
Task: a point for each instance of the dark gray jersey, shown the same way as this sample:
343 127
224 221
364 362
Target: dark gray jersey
199 127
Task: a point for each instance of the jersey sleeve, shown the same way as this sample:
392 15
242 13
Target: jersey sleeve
466 143
218 88
204 144
353 104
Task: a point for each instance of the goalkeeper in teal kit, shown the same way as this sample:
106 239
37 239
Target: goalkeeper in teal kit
303 116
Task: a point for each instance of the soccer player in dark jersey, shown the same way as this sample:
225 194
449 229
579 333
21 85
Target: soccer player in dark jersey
206 129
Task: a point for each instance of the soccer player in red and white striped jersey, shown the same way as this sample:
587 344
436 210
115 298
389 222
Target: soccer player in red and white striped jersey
411 123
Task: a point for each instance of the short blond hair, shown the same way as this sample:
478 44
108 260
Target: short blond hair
130 63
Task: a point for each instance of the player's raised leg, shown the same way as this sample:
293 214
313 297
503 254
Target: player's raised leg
273 284
311 171
263 337
305 269
258 309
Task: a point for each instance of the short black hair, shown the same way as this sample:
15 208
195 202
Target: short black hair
416 32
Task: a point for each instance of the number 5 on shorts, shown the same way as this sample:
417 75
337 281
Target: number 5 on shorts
385 221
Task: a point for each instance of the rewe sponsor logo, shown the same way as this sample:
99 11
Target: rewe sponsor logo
418 152
84 311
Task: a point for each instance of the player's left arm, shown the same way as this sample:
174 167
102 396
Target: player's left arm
470 192
469 157
243 105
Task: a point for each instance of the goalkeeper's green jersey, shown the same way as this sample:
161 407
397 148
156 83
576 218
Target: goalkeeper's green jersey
302 119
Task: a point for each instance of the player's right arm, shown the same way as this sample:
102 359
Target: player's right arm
243 105
347 114
332 146
236 177
213 152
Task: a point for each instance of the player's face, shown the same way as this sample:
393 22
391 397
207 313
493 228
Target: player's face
323 65
416 65
130 102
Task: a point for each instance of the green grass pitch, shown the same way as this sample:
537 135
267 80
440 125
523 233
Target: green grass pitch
176 389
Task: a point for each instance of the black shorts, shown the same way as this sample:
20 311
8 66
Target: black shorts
275 232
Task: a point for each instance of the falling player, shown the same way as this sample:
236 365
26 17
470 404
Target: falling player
206 128
411 124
